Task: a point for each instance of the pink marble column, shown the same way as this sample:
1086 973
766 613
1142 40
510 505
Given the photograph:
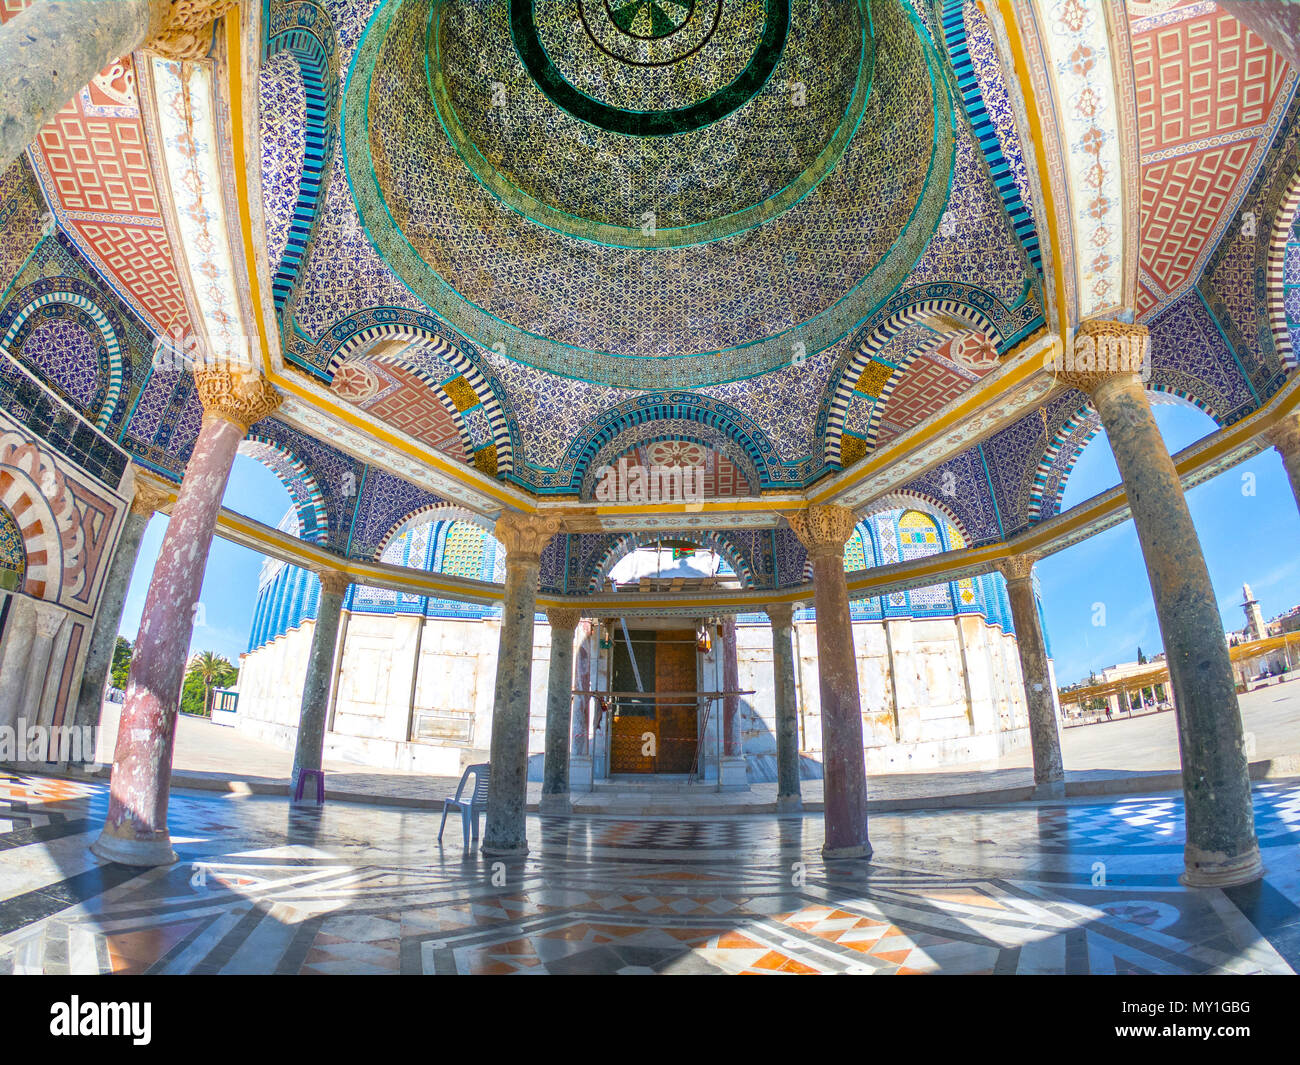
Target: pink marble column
823 530
135 832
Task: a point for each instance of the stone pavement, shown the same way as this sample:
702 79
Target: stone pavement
1113 757
262 887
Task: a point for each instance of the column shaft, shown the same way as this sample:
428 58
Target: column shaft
787 709
309 751
103 641
731 738
1044 734
1221 847
523 537
559 712
51 50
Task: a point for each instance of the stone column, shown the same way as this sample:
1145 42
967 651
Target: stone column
309 752
51 50
523 536
1044 734
135 832
559 712
823 530
1285 436
1221 848
732 773
148 499
49 619
781 615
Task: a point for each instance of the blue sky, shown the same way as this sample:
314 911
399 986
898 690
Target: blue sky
1246 538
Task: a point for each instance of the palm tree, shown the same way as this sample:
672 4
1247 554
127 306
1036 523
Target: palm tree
214 671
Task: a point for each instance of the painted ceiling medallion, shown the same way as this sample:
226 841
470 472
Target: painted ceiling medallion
721 250
651 39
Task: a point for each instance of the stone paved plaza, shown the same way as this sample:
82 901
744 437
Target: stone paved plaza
1076 887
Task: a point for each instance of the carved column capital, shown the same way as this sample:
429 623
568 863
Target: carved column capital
1103 351
1018 567
150 497
824 528
182 29
781 615
563 617
241 398
1285 435
333 581
49 619
524 536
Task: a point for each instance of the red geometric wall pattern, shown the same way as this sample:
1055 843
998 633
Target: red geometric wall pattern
92 162
1209 96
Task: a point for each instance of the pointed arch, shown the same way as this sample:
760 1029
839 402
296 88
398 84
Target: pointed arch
706 541
299 482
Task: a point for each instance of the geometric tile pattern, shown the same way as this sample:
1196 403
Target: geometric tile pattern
1210 94
262 888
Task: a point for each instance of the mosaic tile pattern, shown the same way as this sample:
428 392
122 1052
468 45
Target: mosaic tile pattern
576 276
264 888
282 104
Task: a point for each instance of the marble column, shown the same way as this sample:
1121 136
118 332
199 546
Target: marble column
51 50
148 499
781 615
559 712
49 620
1285 436
1044 734
135 832
823 531
309 751
523 536
1221 847
733 774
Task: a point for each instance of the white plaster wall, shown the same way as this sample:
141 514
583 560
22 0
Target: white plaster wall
953 694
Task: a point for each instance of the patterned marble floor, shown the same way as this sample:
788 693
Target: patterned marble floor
1086 886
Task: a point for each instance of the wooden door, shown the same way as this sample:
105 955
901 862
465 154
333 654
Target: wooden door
633 718
675 671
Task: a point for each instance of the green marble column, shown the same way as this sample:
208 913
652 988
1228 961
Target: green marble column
788 797
309 751
1221 848
523 536
559 712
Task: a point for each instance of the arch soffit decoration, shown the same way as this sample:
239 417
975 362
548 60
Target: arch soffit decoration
301 484
303 30
981 311
762 461
355 338
30 302
706 541
434 512
35 493
1283 237
689 432
1076 432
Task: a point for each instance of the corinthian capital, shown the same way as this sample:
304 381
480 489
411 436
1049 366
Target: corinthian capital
184 27
823 528
150 496
1103 351
1017 567
242 398
333 581
525 535
1285 435
563 617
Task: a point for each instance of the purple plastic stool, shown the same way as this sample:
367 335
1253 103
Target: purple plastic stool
319 774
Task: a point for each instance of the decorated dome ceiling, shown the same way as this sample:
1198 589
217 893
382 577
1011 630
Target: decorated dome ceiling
668 193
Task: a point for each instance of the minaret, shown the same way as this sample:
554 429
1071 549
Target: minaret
1254 616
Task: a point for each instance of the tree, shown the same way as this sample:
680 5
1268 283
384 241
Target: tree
206 671
121 662
1142 659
